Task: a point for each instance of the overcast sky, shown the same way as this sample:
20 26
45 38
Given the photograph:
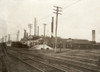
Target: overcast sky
78 19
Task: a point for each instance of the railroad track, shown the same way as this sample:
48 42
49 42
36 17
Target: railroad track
77 64
88 55
53 63
79 58
97 52
4 58
43 67
71 63
9 65
28 66
85 55
62 67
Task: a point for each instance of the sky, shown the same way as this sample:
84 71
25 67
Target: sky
78 19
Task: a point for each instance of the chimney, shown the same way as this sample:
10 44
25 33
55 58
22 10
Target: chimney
52 25
27 35
24 33
5 38
35 25
38 31
93 35
2 39
8 37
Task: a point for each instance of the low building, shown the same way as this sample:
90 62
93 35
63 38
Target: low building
78 43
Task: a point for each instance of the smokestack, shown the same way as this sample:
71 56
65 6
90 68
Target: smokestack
8 37
93 35
35 26
24 33
5 38
2 39
38 31
27 35
52 24
18 35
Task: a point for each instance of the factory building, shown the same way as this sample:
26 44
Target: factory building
77 43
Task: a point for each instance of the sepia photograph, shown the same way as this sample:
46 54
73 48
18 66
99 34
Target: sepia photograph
49 35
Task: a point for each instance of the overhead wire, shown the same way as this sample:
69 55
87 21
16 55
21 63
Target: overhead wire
63 9
71 4
45 17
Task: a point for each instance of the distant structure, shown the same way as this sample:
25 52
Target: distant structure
93 35
38 31
8 37
35 25
5 38
2 39
52 25
30 27
25 34
18 35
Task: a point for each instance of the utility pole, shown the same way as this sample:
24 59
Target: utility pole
44 35
57 12
30 27
18 35
35 25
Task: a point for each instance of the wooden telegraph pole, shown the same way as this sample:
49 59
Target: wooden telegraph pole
57 13
44 35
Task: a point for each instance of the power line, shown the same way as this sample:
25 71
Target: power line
71 4
45 17
63 9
